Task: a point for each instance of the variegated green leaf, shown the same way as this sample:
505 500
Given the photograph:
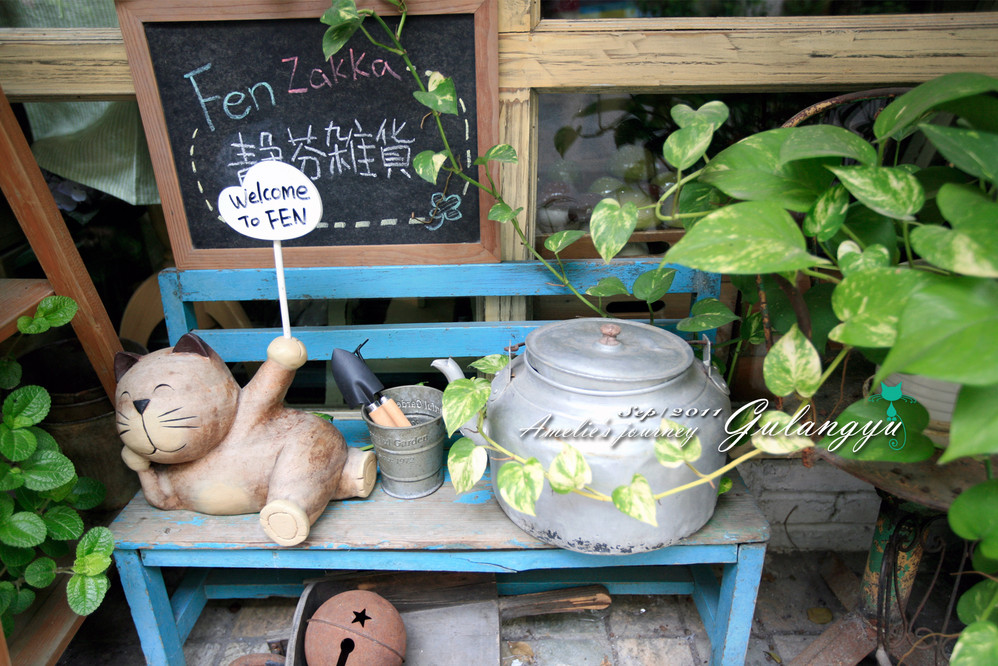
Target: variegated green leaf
466 464
520 484
491 364
775 434
853 260
903 112
636 500
974 424
945 331
869 303
980 602
751 170
973 151
440 94
971 246
569 471
606 287
890 191
343 20
684 147
463 399
745 238
503 153
611 226
558 241
825 219
501 212
714 113
677 444
428 164
654 284
978 644
824 141
792 365
705 315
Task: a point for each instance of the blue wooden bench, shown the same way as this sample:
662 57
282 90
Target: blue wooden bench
231 557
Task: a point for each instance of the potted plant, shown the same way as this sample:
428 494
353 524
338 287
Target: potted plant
39 517
909 254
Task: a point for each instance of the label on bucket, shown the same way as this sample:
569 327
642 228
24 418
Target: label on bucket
418 407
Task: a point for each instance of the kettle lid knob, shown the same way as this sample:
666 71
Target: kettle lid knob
610 333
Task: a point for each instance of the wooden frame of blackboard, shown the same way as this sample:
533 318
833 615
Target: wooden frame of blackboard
134 15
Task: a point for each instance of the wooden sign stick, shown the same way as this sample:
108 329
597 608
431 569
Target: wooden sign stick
282 290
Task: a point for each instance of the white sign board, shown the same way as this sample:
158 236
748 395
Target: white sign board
276 202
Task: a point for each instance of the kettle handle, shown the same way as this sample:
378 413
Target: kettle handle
705 341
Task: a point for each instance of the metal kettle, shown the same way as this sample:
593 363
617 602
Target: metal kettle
603 386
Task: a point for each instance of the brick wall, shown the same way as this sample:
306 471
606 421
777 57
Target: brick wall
816 508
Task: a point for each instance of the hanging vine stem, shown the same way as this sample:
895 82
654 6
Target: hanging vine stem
455 166
592 493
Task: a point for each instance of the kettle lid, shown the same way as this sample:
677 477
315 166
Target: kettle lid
607 354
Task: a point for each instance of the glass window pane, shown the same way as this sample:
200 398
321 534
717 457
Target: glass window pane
596 145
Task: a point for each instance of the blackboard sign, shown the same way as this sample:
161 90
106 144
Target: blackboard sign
222 92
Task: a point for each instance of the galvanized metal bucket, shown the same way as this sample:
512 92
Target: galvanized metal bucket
411 459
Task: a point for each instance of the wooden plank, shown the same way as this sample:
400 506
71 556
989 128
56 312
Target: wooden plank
439 522
43 631
29 197
712 54
19 298
338 282
774 54
64 64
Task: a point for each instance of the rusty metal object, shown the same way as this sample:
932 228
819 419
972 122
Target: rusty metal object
925 483
358 623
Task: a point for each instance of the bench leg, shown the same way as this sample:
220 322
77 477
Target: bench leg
736 606
151 609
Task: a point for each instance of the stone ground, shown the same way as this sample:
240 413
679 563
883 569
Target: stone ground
793 607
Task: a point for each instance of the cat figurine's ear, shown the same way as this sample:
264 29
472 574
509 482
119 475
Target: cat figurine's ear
123 362
192 344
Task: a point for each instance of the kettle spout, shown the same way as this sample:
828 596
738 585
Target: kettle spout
452 371
449 367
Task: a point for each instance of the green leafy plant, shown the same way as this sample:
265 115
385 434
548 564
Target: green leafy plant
898 261
41 495
904 256
520 481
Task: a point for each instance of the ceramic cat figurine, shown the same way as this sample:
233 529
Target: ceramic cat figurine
199 442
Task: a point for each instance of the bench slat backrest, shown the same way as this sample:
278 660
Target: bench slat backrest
180 289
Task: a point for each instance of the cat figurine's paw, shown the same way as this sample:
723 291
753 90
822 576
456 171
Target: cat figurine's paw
285 522
133 460
288 352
